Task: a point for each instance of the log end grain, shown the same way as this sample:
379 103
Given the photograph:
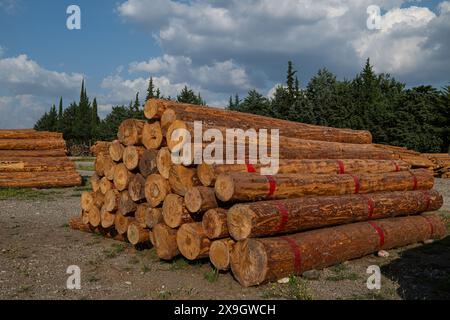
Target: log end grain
164 240
116 150
224 187
173 210
164 162
121 177
152 136
249 262
156 189
206 174
239 221
137 235
214 223
94 216
192 242
107 219
220 252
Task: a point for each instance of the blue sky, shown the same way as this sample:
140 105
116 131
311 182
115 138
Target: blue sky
218 47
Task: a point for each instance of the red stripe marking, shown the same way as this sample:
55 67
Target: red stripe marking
370 206
397 168
297 255
272 186
379 231
250 168
431 226
284 215
341 166
357 184
414 180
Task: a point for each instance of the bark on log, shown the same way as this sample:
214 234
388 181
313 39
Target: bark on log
136 188
40 179
33 153
219 117
215 223
122 222
152 136
192 241
182 178
255 261
220 253
164 162
29 134
174 211
76 224
254 187
147 163
126 205
112 199
131 157
200 199
208 173
137 235
156 189
122 177
32 144
130 132
116 151
165 241
35 165
267 218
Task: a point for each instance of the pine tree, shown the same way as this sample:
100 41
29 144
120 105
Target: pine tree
60 115
188 96
150 90
158 94
136 104
230 103
291 81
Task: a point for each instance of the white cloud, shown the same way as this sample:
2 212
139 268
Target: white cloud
21 111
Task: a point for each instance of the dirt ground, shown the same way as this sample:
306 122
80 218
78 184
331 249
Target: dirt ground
37 246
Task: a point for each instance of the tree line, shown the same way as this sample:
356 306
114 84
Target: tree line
417 118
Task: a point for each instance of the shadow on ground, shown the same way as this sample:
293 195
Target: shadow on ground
422 272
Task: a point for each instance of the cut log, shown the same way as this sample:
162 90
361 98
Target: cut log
267 218
116 151
126 205
153 217
147 163
40 179
255 261
137 235
130 132
165 241
94 216
87 201
85 217
98 199
100 146
33 153
154 109
131 156
200 199
29 134
76 223
35 165
107 218
122 222
136 188
95 182
174 211
122 177
105 185
220 253
152 136
112 199
32 144
254 187
99 164
192 241
215 223
208 173
156 189
182 178
164 162
109 167
140 214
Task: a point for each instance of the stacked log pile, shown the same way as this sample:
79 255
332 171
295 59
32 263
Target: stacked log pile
100 147
335 197
37 159
441 164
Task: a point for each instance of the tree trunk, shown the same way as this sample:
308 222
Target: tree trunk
220 253
254 187
200 199
29 134
107 218
109 167
156 189
87 201
105 185
165 241
255 261
35 165
95 182
94 216
192 241
130 132
215 223
33 153
267 218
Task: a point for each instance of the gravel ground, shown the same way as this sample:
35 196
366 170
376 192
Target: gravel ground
37 246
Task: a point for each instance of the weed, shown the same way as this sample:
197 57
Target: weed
341 272
298 289
164 295
212 275
178 264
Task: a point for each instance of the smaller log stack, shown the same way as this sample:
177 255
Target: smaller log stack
441 164
100 147
335 197
36 159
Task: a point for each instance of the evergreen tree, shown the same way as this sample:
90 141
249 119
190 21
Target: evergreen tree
137 104
255 103
230 103
291 80
60 115
188 96
158 94
150 90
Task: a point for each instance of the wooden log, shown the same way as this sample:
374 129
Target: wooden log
116 150
122 222
109 167
182 178
200 199
100 146
220 253
77 223
192 241
122 177
208 173
87 200
85 217
29 134
95 182
112 199
136 188
99 164
105 185
165 241
219 117
107 218
137 235
140 213
98 199
174 211
156 189
148 217
94 216
126 205
40 179
152 136
255 261
35 165
151 237
32 144
147 163
164 162
267 218
215 223
131 156
33 153
130 132
254 187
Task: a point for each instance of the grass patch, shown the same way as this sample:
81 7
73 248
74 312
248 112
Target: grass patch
179 264
164 295
116 248
341 273
86 167
26 193
295 289
212 275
